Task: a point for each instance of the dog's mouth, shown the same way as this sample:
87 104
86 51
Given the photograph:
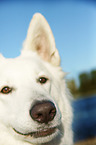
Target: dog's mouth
41 133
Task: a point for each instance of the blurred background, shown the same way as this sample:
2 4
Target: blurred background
73 23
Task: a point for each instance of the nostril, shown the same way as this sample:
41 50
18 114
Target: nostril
52 113
36 115
39 118
39 115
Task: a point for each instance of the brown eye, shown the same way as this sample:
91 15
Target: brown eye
6 90
43 80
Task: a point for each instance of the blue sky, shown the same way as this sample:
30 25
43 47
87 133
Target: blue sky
73 24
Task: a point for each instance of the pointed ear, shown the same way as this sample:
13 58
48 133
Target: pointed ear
40 39
1 56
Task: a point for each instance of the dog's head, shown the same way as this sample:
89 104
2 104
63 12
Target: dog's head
33 105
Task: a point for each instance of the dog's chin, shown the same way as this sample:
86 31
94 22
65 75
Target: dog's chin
42 136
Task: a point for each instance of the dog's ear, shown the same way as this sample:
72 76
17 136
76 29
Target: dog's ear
40 39
1 56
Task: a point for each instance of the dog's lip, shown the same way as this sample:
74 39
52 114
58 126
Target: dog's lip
40 133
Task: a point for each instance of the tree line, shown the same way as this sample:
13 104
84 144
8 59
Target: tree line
87 84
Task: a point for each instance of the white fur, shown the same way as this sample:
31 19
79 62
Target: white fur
39 57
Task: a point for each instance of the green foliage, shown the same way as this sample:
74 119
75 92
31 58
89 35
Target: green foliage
85 82
87 85
72 86
93 77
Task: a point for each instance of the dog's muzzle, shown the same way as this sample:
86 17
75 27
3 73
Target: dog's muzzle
42 112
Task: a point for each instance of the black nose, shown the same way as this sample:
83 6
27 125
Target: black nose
43 112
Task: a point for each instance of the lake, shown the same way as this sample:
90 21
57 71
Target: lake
84 122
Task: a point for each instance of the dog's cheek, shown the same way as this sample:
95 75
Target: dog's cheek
4 113
47 87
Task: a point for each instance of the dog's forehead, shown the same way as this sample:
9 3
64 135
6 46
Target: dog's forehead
21 66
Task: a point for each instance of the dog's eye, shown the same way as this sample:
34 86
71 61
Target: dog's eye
6 90
43 80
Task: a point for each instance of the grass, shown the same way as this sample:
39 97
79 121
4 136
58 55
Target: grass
91 141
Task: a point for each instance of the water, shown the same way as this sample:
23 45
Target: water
84 122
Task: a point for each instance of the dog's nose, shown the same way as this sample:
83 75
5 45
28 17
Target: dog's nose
43 112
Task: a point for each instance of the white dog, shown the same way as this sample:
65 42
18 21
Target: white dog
34 99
